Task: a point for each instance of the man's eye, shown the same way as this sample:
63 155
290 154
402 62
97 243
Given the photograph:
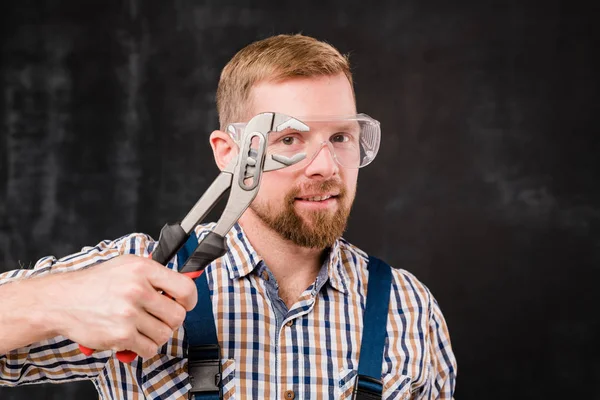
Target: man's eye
340 138
288 140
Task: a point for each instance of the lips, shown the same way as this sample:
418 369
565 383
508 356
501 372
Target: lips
316 197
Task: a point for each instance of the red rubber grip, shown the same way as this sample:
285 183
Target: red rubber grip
193 274
86 350
126 356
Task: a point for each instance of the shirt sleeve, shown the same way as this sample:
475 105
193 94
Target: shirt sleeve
59 359
442 357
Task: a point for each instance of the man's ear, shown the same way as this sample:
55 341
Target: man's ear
224 148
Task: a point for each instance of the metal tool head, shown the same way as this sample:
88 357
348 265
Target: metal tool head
272 121
264 124
282 122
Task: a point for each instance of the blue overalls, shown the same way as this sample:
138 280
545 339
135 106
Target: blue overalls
204 352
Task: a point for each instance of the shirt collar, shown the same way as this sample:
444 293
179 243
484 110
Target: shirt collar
336 272
241 259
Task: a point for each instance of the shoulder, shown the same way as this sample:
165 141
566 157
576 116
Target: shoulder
410 294
406 288
140 244
352 253
132 243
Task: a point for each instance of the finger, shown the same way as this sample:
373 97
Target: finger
165 309
154 329
178 286
142 345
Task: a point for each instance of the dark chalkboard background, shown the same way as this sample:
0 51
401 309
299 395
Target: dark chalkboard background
486 186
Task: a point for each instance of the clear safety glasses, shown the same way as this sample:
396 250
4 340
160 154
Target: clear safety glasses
353 141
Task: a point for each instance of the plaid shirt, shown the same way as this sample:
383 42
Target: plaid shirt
311 349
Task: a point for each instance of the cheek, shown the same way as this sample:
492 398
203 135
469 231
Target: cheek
273 187
350 179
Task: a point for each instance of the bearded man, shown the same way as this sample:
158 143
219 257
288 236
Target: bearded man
288 296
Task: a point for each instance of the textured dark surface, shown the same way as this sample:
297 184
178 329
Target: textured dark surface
486 186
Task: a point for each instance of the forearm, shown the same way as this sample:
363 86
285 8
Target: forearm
33 301
29 311
32 348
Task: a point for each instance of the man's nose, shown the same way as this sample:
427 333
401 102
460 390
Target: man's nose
323 163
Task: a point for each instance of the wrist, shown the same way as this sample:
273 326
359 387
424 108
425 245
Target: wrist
47 313
30 311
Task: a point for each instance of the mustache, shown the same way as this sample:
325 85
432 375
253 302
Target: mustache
323 186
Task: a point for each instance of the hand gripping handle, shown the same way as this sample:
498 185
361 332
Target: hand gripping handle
172 236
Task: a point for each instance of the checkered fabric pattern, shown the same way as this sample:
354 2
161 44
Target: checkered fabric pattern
311 350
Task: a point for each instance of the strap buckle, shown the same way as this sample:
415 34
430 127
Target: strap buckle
204 368
367 388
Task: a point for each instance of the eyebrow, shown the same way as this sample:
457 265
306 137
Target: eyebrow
346 126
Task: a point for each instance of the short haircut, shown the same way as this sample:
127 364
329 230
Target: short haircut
274 59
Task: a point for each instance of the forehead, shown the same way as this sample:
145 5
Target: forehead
313 96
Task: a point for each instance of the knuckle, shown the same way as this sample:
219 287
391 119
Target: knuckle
127 313
175 319
190 296
122 337
129 260
135 291
137 266
132 262
143 294
179 315
162 336
165 335
150 351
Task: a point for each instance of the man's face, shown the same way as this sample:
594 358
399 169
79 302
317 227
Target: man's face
309 206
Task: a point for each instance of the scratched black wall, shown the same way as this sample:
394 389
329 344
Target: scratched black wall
486 186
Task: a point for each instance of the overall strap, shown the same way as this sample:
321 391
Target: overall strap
368 383
203 351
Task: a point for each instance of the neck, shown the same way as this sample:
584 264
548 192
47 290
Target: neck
294 267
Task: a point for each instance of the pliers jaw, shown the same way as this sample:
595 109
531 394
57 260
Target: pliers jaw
259 127
282 122
274 122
